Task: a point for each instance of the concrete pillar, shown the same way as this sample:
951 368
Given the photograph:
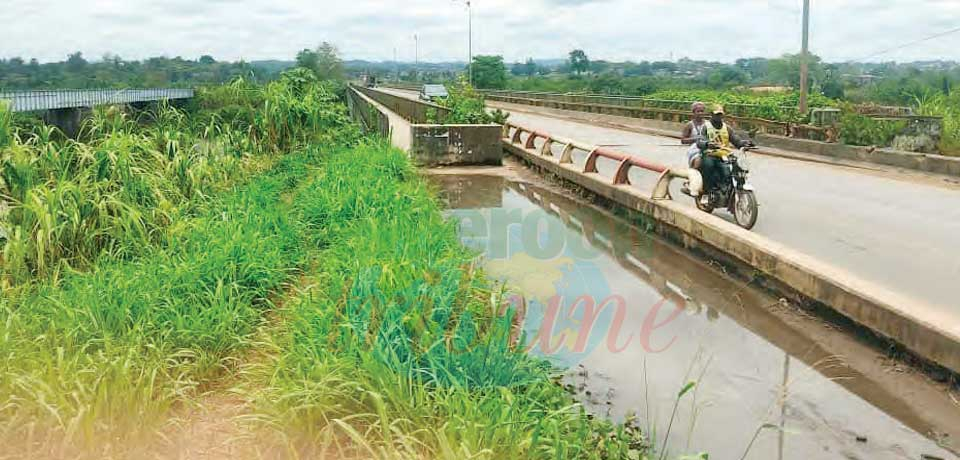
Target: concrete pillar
67 120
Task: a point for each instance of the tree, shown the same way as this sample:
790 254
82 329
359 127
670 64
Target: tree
663 66
637 70
76 62
207 59
832 84
324 62
726 76
578 61
599 66
329 65
606 83
756 68
527 69
307 58
786 70
489 72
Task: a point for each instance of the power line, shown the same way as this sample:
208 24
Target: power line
951 31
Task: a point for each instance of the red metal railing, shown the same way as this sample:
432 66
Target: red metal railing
527 138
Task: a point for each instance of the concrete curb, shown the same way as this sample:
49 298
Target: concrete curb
921 329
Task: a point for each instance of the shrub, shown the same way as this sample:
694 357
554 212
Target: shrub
467 107
856 129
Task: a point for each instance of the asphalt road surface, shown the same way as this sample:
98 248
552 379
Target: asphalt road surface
901 230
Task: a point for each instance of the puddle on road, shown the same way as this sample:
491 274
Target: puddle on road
634 319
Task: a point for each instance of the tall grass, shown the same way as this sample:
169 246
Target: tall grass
139 260
116 190
399 352
109 351
947 107
6 125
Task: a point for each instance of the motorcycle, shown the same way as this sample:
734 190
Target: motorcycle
735 193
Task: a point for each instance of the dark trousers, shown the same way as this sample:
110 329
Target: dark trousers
714 172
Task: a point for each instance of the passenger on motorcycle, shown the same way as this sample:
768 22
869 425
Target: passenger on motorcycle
695 130
719 141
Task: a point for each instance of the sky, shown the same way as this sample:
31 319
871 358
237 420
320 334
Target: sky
840 30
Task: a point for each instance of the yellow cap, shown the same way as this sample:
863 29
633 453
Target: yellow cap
718 109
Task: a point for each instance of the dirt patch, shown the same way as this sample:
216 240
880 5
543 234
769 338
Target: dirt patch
212 430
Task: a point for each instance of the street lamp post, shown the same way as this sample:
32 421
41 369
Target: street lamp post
469 40
416 56
805 58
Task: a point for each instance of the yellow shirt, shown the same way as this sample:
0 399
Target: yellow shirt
721 137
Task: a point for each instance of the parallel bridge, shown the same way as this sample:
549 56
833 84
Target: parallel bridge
37 101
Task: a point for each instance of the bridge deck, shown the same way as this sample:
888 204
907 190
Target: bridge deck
898 230
31 101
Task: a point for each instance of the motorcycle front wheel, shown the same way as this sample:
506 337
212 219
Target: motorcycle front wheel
745 210
707 208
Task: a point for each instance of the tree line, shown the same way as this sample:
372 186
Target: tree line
112 71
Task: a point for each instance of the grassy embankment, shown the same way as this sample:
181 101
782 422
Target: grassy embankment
139 261
142 261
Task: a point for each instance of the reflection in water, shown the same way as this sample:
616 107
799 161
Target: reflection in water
639 319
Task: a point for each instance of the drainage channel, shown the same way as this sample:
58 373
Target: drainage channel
635 319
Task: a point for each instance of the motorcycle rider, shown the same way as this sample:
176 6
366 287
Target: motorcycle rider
720 141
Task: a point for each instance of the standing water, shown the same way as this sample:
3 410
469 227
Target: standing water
636 320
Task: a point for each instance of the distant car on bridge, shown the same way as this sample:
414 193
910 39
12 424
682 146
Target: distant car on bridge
433 92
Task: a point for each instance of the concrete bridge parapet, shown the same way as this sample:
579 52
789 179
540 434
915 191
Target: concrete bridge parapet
429 143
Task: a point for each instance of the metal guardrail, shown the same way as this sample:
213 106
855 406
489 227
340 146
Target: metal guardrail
31 101
527 138
738 109
750 124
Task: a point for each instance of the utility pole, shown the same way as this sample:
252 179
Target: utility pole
470 40
805 59
396 65
416 56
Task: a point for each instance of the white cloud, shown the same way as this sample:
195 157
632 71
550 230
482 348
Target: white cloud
372 29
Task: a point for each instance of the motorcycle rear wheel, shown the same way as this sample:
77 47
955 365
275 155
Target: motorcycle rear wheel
745 209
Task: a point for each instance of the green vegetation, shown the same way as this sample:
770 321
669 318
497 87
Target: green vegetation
146 261
105 355
925 87
579 62
772 106
125 183
138 261
324 62
467 106
112 71
398 348
948 107
489 72
856 129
